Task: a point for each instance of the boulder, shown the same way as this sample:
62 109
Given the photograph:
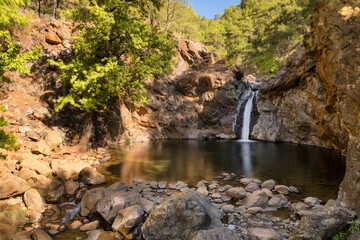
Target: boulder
237 192
181 216
90 199
75 225
264 234
39 234
53 139
322 222
127 219
278 201
90 176
216 234
109 205
71 186
90 226
282 189
257 198
48 188
52 38
4 170
312 201
147 205
252 187
269 184
246 181
12 186
98 235
7 229
203 190
34 201
41 148
33 136
37 166
65 169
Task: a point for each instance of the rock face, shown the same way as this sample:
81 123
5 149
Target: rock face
315 99
181 217
198 100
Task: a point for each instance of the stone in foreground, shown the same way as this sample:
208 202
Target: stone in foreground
264 234
181 217
216 234
11 185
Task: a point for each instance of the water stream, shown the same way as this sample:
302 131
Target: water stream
247 118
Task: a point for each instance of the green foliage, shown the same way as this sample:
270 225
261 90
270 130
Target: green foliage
7 140
9 12
258 34
352 228
116 50
10 58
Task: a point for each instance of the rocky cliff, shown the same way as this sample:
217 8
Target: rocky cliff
198 100
315 99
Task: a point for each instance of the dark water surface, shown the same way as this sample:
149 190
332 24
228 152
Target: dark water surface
314 171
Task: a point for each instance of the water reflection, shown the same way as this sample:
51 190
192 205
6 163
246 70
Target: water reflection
316 171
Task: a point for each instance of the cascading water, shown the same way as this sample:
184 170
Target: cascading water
247 118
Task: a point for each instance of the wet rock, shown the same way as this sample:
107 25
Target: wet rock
98 235
34 201
282 189
268 192
39 234
12 186
71 186
237 192
269 184
163 221
137 180
252 187
65 169
264 234
254 210
110 204
322 222
153 185
278 201
312 201
299 206
37 166
53 139
42 148
90 199
75 225
127 219
147 205
257 198
246 181
216 234
90 226
162 185
293 189
90 176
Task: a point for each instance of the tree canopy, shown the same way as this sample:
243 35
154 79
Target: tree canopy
116 51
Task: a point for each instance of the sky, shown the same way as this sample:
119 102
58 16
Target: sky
209 8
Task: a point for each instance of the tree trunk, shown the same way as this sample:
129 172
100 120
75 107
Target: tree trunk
39 8
54 13
86 133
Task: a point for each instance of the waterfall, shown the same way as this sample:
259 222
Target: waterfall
247 117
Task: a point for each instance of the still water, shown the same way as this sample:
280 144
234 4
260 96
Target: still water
314 171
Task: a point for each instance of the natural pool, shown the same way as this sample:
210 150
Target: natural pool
314 171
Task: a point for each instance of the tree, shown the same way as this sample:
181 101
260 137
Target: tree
116 50
10 58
